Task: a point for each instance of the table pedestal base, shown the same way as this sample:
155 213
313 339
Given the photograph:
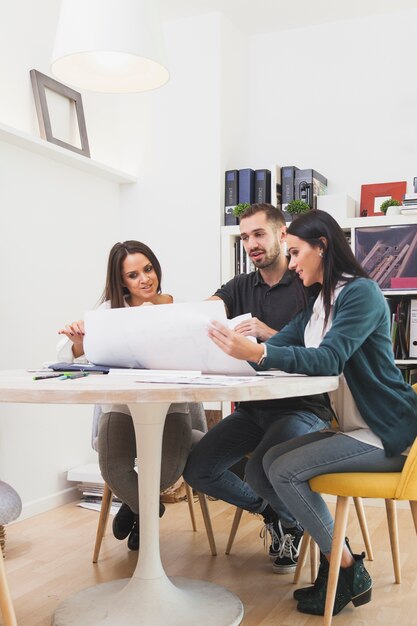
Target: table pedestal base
154 602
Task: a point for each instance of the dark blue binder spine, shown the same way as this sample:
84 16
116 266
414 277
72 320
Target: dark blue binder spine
246 186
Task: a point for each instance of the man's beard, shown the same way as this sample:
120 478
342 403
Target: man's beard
269 259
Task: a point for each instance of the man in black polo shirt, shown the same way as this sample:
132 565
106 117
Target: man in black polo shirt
273 295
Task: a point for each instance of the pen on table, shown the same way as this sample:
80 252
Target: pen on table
45 376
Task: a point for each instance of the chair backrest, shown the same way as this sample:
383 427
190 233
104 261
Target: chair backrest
407 487
94 428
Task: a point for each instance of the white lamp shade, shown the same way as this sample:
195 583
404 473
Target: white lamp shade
113 46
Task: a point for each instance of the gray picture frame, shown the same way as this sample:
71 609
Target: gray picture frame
39 83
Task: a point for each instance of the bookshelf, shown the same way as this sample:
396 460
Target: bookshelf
381 225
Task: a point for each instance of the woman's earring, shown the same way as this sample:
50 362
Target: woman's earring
321 254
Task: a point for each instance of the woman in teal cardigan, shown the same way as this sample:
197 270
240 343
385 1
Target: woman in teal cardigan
345 332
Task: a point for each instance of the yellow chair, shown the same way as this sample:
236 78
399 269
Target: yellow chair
390 486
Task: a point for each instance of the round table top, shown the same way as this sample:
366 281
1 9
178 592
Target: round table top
19 386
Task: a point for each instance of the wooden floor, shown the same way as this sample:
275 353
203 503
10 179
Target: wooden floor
49 558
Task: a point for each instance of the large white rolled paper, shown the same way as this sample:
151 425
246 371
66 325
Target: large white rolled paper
164 337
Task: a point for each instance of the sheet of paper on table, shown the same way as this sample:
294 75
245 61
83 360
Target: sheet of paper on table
164 337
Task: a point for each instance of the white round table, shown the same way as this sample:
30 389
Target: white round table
150 598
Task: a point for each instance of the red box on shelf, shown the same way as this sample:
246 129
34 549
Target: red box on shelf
404 282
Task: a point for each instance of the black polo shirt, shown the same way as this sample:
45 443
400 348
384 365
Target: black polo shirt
275 306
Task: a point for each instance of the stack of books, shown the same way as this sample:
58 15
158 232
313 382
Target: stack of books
91 486
409 205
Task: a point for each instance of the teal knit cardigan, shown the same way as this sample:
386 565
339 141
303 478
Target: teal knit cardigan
359 345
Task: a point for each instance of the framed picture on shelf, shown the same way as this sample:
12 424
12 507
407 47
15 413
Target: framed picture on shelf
372 196
68 102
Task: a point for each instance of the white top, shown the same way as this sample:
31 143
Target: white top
350 420
65 355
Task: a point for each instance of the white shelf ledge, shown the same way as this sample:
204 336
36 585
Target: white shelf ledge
51 151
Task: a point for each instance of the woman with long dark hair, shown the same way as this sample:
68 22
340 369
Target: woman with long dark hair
345 331
133 278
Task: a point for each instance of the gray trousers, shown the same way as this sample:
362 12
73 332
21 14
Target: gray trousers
117 452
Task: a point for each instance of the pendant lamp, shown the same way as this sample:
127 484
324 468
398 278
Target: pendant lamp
112 46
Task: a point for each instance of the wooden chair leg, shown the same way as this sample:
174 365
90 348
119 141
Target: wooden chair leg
339 533
6 605
413 506
190 500
393 537
207 522
314 550
301 557
233 530
102 522
360 512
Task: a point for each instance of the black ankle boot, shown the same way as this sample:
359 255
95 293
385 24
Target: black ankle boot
134 537
322 576
123 522
354 585
321 580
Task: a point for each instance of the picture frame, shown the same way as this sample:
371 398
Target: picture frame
383 191
41 82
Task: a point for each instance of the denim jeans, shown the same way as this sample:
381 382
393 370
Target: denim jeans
253 430
290 465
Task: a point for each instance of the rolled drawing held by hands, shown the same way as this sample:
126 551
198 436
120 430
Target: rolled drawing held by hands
233 343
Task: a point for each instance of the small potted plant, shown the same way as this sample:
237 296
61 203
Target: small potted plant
240 208
387 203
295 207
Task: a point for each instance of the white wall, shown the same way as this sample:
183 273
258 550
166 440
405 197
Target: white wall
57 225
340 98
175 206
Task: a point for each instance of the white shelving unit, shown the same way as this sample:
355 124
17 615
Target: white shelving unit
73 159
229 234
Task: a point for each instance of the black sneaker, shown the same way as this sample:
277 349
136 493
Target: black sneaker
289 549
271 527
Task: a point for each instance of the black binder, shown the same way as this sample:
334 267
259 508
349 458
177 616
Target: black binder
231 194
262 186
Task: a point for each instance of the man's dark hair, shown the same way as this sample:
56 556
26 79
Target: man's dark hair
272 213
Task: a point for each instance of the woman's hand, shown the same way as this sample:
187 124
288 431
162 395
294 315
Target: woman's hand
253 327
75 333
234 343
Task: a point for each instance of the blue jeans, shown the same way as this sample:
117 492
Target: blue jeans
290 465
253 430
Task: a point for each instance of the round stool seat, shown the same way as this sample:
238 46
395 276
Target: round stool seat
10 504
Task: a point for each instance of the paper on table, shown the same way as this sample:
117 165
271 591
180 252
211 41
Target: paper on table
207 380
172 336
131 371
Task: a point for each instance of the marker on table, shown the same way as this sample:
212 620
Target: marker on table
71 375
61 376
